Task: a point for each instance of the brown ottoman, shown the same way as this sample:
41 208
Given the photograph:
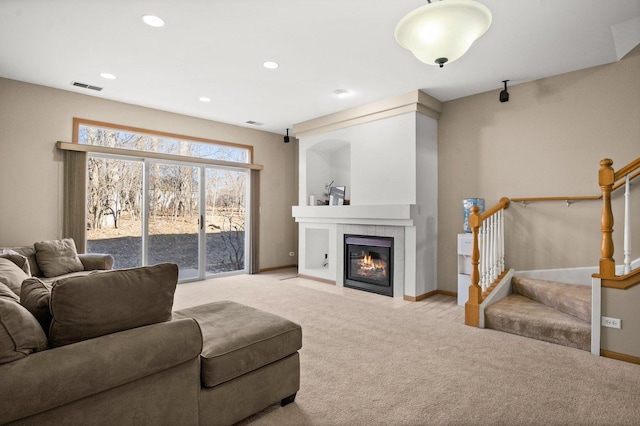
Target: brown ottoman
249 360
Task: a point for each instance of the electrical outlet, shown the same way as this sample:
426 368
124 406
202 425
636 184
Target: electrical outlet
292 253
612 322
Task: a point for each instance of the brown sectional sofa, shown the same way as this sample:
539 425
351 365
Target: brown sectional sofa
114 353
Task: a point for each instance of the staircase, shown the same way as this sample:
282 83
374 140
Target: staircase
545 310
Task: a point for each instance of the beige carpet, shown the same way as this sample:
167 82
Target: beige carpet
373 360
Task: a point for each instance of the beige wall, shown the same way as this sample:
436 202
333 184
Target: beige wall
547 140
33 118
621 304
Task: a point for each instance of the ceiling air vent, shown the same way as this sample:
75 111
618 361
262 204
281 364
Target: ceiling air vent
255 123
86 86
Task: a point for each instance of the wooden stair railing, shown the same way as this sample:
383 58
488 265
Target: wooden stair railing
571 198
609 180
493 268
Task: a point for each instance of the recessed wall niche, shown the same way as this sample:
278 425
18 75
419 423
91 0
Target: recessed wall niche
317 248
328 161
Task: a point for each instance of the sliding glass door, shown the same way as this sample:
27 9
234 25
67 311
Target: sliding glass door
173 231
147 212
225 218
115 209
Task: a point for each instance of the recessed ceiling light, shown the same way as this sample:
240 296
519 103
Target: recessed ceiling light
107 75
342 93
153 20
204 99
270 65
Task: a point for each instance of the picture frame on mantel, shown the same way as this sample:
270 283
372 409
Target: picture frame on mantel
336 195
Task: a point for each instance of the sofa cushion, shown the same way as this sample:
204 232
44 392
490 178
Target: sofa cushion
34 296
20 333
238 339
11 275
107 302
30 253
21 261
96 261
57 257
7 293
51 280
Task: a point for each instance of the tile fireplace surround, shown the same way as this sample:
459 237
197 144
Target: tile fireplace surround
334 271
385 154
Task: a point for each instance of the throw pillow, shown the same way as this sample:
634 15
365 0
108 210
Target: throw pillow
20 333
21 261
107 302
58 257
35 296
11 275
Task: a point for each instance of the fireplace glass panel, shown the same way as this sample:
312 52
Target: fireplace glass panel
368 263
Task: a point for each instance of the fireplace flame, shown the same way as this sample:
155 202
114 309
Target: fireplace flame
368 264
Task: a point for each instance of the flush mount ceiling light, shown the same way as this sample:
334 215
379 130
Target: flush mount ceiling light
204 99
439 33
342 93
107 75
270 65
153 20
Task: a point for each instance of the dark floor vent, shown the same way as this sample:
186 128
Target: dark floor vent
86 86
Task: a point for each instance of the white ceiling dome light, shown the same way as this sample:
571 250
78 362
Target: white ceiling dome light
153 20
439 33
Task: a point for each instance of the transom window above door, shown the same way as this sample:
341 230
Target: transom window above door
130 138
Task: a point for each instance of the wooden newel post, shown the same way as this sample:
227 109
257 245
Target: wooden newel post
472 307
606 180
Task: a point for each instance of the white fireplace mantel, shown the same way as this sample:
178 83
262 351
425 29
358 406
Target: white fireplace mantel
384 214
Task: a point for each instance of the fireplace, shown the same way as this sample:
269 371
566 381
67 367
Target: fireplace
368 263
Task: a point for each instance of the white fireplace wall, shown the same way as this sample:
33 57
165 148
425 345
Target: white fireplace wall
379 169
426 209
393 172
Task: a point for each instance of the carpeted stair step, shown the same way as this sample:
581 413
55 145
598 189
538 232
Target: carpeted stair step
571 299
520 315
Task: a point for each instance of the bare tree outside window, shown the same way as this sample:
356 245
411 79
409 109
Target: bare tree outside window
115 202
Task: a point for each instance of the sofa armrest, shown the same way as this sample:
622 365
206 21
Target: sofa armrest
96 261
51 378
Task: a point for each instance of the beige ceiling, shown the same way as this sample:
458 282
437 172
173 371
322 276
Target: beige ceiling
216 48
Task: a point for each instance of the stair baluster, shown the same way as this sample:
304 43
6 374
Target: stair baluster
627 226
493 273
481 247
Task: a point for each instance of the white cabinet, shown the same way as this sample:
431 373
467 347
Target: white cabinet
465 245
